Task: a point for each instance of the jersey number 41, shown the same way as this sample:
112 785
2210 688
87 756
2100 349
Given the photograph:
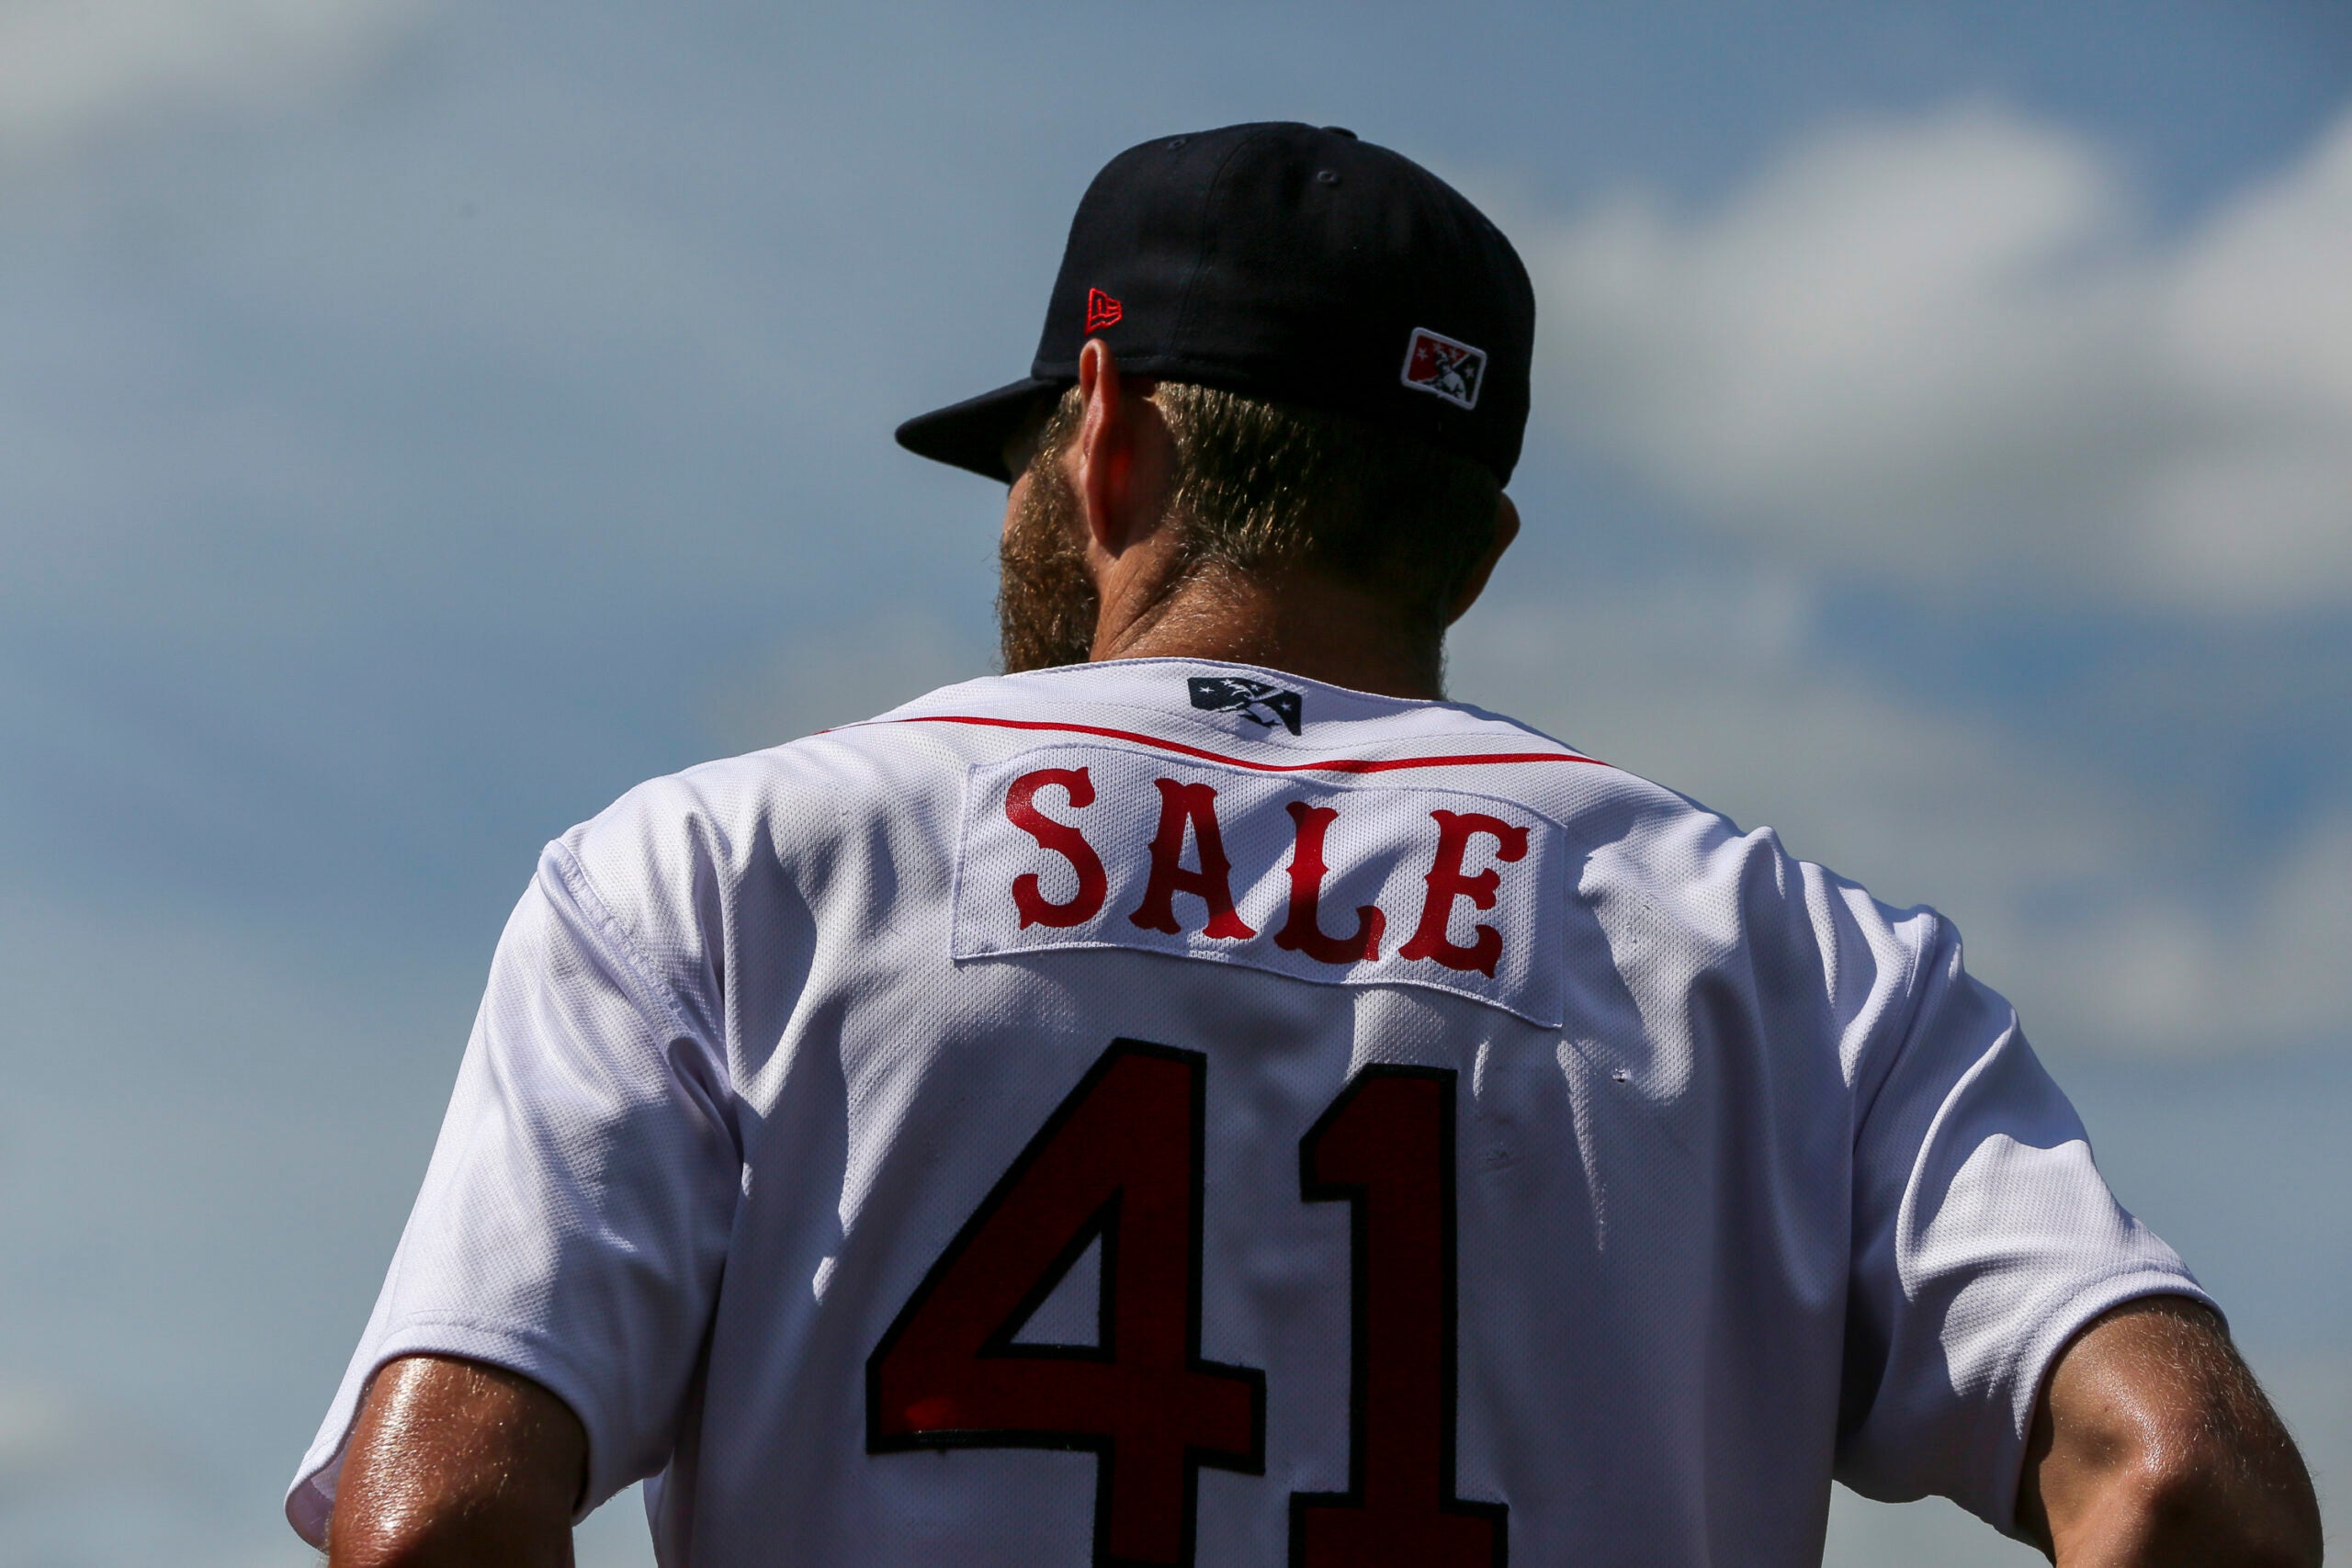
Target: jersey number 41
1120 1163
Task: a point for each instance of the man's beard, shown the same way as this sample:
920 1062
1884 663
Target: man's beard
1045 602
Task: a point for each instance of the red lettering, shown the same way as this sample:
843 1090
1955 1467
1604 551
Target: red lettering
1120 1161
1192 804
1302 928
1385 1149
1062 839
1447 883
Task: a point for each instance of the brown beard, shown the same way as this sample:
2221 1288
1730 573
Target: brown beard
1045 602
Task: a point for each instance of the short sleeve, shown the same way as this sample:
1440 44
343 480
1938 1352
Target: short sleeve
1983 1239
575 1214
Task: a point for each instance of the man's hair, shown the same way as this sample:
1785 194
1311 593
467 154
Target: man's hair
1265 487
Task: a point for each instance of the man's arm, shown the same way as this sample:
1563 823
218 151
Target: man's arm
454 1463
2153 1446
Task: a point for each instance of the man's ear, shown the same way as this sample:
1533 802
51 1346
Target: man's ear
1506 530
1104 454
1121 460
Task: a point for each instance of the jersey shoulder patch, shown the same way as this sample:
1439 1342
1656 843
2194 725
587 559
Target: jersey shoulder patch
1106 846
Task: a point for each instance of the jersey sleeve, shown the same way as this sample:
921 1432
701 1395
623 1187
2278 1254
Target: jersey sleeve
575 1214
1983 1239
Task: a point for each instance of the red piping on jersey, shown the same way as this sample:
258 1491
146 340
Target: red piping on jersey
1335 765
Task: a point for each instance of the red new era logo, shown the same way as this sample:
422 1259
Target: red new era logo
1101 311
1438 365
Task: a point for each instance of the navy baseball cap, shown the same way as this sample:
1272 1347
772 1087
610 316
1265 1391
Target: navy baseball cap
1284 262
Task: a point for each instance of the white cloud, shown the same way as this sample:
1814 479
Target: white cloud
72 68
1952 348
2072 892
2196 969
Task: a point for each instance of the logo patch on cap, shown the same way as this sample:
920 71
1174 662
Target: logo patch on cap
1101 311
1442 367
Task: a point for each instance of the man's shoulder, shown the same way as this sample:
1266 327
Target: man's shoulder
798 775
1188 710
904 805
908 763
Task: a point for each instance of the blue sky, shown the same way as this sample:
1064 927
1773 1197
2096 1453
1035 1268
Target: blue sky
418 423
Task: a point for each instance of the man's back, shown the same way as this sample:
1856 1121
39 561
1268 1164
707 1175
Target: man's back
1333 1119
1166 1110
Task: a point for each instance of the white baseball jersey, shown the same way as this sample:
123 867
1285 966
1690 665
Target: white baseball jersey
1164 1111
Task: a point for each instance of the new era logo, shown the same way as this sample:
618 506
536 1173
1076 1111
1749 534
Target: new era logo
1260 703
1444 369
1101 311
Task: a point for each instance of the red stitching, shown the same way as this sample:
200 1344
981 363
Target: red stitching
1101 311
1335 765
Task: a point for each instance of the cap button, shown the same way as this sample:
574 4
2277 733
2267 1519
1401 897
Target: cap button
1341 130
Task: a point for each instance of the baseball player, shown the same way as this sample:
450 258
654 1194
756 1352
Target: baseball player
1201 1097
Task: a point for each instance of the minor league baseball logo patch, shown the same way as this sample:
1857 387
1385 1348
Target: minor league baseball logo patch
1444 369
1262 704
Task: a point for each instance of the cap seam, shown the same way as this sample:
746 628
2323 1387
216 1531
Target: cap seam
1208 241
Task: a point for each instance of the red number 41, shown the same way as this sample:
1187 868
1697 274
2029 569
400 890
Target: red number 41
1119 1162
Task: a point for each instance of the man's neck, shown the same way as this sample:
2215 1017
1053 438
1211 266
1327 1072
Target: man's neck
1300 623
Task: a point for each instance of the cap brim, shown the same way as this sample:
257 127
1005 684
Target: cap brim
971 434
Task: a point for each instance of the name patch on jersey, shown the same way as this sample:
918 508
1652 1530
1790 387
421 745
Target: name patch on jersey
1358 884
